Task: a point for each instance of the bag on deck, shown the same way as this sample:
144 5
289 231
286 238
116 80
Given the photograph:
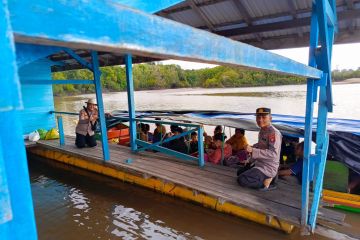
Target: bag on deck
52 134
34 136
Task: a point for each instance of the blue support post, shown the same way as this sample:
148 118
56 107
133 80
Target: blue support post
5 212
201 146
307 151
61 130
131 102
14 169
99 100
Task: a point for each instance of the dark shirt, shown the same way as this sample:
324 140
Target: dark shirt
296 169
193 147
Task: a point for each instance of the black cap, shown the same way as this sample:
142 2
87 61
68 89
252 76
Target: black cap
263 111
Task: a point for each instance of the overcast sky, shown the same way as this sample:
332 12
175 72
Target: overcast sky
345 56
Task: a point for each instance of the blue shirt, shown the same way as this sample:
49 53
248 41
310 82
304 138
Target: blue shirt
297 168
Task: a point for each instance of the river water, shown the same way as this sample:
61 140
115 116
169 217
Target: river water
74 204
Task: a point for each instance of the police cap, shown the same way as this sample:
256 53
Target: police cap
263 111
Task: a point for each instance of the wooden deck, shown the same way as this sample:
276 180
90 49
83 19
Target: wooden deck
216 182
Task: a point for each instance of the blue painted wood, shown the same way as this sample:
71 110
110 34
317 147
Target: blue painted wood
331 17
66 113
201 146
38 100
307 151
11 140
99 101
5 204
50 82
149 6
131 101
78 58
28 53
166 151
167 140
61 130
134 32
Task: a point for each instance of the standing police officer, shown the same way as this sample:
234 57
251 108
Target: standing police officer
265 154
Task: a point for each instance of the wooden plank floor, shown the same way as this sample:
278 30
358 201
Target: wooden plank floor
214 180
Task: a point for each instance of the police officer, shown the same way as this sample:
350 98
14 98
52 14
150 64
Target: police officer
265 154
88 116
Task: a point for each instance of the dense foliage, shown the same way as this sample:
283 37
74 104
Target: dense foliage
345 74
156 76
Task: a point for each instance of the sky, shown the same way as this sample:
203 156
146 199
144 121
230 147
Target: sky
345 56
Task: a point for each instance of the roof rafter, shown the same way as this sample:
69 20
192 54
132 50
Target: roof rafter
267 27
245 14
201 14
292 7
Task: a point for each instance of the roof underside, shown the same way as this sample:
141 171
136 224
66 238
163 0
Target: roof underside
267 24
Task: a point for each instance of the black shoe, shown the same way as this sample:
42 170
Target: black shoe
273 186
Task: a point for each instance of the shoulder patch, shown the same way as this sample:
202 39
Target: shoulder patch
272 137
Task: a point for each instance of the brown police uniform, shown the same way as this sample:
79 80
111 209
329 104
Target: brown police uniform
84 133
266 153
265 156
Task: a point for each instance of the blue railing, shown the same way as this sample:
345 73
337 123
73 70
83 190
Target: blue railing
143 145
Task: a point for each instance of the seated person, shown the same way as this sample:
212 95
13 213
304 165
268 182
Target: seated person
296 168
218 129
208 142
287 153
141 130
238 141
265 155
159 132
86 125
214 156
193 147
177 144
149 134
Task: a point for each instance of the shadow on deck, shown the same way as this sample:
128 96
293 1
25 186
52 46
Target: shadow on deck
215 184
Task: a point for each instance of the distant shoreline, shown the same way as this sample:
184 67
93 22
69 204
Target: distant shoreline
348 81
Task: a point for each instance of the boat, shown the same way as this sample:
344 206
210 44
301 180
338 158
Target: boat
344 143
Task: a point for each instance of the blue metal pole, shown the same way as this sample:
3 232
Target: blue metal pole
131 102
61 130
99 100
201 146
14 169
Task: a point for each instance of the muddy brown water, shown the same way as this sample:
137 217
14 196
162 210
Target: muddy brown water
71 203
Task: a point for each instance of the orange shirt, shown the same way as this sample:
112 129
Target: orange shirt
237 143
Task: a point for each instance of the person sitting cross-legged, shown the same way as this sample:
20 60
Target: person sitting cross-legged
265 155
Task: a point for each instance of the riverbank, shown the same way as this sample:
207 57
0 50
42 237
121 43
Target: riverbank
348 81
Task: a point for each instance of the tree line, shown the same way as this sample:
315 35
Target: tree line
156 76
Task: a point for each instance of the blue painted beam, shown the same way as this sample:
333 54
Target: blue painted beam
149 6
131 101
100 104
27 53
166 151
108 26
78 58
167 139
49 82
67 113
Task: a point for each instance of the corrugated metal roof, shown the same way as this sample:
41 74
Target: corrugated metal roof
259 21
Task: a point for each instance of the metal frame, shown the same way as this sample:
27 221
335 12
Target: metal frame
155 37
323 26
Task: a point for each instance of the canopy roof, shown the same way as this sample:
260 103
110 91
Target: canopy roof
268 24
